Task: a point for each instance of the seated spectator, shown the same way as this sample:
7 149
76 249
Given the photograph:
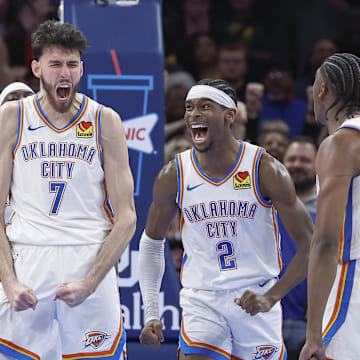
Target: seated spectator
176 145
232 66
299 160
274 138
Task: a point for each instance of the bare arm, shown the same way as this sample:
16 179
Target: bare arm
20 296
276 185
163 207
120 187
336 165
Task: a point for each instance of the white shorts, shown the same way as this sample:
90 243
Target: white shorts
55 331
213 325
341 329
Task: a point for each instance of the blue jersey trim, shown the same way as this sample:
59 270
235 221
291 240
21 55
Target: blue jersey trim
19 125
256 178
98 124
67 125
345 301
348 225
236 163
178 168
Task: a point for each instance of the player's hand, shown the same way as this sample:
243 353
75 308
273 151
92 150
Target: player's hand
74 292
254 303
152 334
20 296
312 352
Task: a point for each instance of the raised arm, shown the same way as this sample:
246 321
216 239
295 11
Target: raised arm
151 257
20 296
120 188
336 165
277 186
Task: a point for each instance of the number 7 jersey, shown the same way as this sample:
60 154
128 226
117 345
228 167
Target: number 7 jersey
58 194
229 231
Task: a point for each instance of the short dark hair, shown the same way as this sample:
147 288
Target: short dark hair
304 140
342 71
53 32
221 85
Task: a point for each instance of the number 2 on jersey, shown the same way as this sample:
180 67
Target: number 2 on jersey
226 259
58 188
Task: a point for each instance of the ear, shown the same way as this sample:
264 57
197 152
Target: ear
36 69
230 115
323 91
81 68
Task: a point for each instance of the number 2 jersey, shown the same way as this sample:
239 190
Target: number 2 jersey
58 192
229 231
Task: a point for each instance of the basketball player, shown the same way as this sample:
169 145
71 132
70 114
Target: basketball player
229 192
14 91
334 277
58 149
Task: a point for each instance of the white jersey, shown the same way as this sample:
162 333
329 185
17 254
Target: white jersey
58 194
229 231
350 232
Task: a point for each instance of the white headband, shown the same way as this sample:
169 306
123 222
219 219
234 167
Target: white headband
15 86
209 92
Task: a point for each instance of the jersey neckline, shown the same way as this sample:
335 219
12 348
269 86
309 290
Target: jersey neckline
72 122
227 176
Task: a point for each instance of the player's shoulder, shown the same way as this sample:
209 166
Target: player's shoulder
9 113
166 180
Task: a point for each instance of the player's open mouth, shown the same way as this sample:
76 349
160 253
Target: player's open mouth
198 132
63 92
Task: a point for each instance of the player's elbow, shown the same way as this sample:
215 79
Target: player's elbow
325 244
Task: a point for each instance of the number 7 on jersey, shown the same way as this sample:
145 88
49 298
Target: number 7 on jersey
57 187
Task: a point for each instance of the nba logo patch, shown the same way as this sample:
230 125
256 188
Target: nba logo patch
95 339
265 352
242 180
84 130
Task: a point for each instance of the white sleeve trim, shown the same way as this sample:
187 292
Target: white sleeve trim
151 271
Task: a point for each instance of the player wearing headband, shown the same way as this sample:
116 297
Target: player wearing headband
229 193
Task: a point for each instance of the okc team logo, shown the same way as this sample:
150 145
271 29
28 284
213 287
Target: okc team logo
265 352
95 339
242 180
84 130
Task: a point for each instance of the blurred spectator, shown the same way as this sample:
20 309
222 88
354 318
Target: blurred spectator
4 9
236 21
299 160
274 138
176 145
174 111
5 72
24 18
205 57
278 102
232 65
239 126
320 51
188 18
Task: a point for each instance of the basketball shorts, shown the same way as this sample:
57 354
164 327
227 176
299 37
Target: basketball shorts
54 331
341 335
213 325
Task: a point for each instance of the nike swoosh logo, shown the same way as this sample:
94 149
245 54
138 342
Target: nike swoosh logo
35 128
189 188
264 283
